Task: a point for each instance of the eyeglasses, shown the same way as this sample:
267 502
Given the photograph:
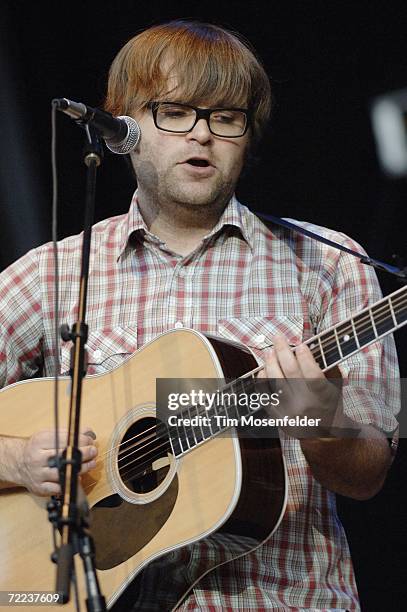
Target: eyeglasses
182 118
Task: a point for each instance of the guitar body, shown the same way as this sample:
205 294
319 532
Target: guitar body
158 522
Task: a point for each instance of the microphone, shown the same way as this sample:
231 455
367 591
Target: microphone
121 134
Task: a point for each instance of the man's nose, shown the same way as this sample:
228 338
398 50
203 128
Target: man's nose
200 132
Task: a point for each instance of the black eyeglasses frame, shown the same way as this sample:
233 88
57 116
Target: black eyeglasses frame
201 113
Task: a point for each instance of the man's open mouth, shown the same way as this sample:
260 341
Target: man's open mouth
194 161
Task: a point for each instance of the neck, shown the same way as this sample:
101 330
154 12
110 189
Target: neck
181 226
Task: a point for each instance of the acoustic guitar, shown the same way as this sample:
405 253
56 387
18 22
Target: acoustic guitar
165 508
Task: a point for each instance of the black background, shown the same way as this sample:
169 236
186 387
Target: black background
327 61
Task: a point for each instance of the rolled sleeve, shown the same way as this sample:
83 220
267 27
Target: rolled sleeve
371 389
20 320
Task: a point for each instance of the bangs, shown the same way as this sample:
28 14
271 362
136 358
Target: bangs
205 78
190 62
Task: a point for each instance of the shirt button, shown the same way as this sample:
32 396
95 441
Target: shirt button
179 324
260 339
97 354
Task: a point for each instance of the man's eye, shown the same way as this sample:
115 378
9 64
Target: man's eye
224 117
174 112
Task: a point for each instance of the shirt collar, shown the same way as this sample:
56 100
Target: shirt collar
132 222
235 214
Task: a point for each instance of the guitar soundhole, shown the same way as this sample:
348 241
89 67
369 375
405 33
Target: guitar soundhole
144 455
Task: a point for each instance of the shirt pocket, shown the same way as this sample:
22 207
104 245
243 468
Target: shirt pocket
106 348
257 332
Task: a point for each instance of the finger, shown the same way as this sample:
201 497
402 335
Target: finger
272 366
88 466
84 438
88 431
286 358
44 483
49 444
46 439
47 489
48 474
40 458
307 364
88 453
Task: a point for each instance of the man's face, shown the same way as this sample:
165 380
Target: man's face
189 169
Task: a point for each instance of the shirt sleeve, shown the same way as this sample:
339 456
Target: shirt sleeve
371 390
21 328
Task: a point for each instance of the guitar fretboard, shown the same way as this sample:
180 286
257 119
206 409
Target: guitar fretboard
328 348
218 417
345 339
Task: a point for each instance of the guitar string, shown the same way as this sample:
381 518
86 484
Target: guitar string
367 318
364 318
316 350
202 412
130 447
126 475
157 447
360 329
152 441
145 438
125 443
131 475
136 474
142 447
139 469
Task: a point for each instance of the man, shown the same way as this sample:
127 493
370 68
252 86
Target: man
188 254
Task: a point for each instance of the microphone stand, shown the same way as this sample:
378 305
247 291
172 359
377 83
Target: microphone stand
71 516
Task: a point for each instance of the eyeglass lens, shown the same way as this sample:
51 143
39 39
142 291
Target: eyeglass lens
180 118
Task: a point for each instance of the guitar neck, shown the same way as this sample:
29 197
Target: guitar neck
329 348
371 324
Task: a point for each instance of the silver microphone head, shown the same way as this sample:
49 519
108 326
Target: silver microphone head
130 141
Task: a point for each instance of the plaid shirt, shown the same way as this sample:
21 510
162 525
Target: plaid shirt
245 283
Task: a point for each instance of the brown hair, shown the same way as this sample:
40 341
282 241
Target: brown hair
217 68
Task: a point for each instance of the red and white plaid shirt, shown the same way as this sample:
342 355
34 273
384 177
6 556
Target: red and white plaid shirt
243 283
